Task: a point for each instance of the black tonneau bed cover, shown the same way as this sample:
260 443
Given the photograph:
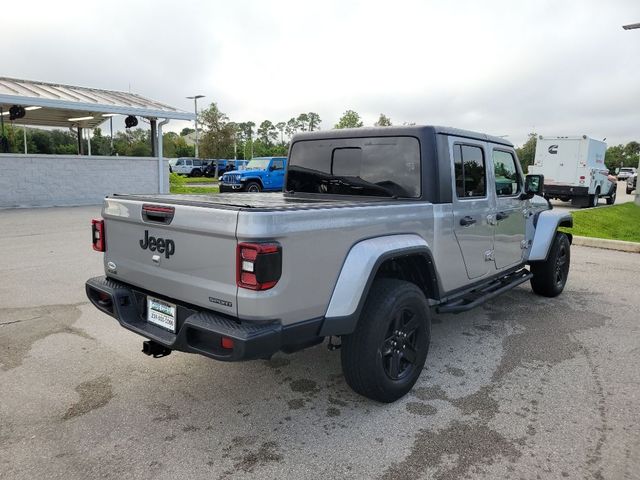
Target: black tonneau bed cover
260 201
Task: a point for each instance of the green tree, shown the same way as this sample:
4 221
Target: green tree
247 133
314 121
292 127
303 121
218 133
100 145
615 157
41 141
632 150
527 152
349 119
622 155
267 133
281 126
186 131
383 121
184 150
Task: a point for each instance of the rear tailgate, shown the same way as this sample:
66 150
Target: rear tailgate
190 257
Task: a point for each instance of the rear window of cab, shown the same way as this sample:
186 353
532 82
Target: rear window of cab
373 166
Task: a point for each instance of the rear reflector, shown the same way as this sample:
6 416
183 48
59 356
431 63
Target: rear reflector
97 235
259 265
226 342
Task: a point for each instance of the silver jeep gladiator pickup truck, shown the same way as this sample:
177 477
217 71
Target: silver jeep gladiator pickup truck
376 229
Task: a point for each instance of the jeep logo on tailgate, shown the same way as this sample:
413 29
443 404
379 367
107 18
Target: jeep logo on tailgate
161 245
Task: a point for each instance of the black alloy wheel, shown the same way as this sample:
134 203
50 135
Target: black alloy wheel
399 348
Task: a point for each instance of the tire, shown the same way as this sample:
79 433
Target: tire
550 276
195 173
611 199
629 190
593 199
253 187
383 358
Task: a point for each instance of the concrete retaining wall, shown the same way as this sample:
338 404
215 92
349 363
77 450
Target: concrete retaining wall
52 180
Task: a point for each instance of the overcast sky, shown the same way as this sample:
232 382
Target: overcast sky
500 67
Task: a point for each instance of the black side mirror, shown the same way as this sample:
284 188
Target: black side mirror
533 185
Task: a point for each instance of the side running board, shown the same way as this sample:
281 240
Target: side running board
485 292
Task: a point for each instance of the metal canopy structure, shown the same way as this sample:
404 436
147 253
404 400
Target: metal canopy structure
56 105
82 108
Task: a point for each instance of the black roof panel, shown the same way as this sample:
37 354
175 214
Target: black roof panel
412 130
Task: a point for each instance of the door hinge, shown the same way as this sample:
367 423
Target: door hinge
488 256
524 244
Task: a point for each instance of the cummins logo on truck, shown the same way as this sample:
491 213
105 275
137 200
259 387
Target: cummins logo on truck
553 149
161 245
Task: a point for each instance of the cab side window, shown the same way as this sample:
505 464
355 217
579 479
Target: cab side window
470 171
507 177
277 165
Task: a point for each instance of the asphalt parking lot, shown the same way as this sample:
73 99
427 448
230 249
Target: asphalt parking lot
524 387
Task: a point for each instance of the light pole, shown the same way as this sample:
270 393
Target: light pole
634 26
195 106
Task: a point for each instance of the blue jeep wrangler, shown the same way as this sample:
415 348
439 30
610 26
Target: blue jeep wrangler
260 174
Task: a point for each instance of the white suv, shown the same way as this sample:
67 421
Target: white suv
193 167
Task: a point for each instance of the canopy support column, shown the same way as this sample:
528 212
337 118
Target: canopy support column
154 136
80 145
158 138
89 141
24 138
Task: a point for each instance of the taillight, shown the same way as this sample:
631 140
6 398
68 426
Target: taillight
259 265
97 235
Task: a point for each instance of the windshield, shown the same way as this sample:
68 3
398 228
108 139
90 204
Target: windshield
258 164
378 166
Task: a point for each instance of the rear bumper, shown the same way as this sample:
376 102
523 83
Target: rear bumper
200 330
554 191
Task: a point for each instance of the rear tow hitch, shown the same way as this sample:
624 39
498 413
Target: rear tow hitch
334 346
151 348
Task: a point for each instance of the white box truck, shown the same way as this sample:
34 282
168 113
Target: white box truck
574 170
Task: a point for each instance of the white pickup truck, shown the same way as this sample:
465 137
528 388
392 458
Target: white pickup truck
574 170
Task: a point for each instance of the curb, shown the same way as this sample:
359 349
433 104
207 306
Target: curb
631 247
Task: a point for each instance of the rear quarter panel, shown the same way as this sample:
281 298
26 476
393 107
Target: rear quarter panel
315 245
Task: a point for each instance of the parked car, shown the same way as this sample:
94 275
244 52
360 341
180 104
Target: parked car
625 172
223 166
260 174
376 229
632 183
192 167
574 170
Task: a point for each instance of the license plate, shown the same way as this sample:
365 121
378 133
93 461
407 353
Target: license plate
161 313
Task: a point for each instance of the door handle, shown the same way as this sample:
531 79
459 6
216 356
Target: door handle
467 221
501 216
